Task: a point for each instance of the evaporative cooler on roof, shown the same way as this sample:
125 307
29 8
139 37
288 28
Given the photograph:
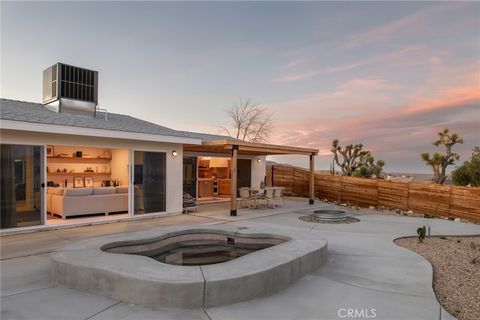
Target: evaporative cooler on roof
69 89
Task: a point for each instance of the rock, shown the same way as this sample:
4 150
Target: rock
410 211
398 211
343 204
371 207
457 219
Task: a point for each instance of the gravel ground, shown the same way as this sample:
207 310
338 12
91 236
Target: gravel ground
456 271
315 219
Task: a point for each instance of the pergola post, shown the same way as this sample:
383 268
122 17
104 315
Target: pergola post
233 181
312 180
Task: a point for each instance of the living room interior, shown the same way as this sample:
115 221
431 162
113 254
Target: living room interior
86 183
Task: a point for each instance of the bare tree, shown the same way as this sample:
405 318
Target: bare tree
249 122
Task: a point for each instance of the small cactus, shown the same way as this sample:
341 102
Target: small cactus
421 232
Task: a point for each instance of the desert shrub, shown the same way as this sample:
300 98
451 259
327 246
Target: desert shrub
468 174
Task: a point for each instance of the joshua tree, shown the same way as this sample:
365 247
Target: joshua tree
355 160
250 122
369 167
440 162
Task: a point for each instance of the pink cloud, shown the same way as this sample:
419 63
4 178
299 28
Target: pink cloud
406 25
394 57
296 77
295 63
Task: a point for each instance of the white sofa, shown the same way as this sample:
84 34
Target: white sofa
65 202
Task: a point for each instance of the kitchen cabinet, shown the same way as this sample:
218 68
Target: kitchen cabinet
224 186
205 188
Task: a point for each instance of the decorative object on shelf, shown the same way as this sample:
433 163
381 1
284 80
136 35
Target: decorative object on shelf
89 182
49 183
116 182
89 169
58 170
63 155
65 170
65 183
49 151
78 182
106 183
78 154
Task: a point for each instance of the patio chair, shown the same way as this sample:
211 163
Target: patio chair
278 196
245 197
266 197
189 202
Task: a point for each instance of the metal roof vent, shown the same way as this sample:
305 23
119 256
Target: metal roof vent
69 89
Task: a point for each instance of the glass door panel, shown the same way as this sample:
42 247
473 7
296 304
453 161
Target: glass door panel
21 192
149 182
190 176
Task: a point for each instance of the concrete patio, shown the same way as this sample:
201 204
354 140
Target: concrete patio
365 270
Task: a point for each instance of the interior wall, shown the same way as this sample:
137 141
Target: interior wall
98 166
119 165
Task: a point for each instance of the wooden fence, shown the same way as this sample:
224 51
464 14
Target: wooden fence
433 199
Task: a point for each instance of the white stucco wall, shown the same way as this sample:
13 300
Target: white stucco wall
174 179
258 170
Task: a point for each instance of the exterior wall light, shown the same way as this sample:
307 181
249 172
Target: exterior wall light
174 153
259 160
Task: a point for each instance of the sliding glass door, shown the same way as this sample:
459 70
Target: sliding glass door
21 201
149 182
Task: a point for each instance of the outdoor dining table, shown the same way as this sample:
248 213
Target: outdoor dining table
259 194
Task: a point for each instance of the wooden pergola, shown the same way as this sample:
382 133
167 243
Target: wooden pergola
237 147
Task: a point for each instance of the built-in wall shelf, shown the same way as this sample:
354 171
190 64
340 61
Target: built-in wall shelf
79 173
75 159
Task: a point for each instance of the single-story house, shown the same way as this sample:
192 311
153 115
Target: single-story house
65 158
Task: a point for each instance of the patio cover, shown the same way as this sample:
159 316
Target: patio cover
236 147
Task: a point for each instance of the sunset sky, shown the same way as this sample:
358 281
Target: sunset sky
389 75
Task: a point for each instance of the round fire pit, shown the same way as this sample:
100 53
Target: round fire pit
330 215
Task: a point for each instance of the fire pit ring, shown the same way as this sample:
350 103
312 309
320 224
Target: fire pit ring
330 215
